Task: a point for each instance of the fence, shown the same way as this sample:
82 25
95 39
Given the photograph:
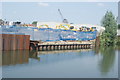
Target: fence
49 34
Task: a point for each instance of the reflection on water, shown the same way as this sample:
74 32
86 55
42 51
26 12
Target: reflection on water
108 59
98 62
34 55
15 57
23 56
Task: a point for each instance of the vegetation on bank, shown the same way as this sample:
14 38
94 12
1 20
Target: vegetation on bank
109 36
34 23
118 41
118 26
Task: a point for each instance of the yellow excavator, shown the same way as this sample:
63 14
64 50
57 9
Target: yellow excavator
85 29
93 28
43 25
66 27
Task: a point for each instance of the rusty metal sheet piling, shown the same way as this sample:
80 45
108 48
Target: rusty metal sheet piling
15 42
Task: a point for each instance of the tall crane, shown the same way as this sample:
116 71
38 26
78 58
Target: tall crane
63 19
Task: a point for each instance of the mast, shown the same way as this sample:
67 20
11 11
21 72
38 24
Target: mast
63 19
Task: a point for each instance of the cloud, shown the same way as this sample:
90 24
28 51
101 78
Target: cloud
101 4
43 4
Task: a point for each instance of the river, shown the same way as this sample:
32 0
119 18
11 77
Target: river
83 63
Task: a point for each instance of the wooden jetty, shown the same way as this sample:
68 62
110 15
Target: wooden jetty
47 46
63 47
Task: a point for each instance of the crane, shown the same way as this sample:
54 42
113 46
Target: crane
64 20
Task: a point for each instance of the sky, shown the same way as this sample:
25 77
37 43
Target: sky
74 12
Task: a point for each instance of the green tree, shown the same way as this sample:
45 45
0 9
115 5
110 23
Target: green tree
118 26
109 35
34 23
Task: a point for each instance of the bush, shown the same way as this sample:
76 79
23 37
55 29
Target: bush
118 26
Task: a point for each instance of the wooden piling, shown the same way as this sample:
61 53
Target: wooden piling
64 46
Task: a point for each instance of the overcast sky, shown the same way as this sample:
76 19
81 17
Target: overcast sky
75 12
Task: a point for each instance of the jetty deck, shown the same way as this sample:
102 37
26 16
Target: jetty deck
63 45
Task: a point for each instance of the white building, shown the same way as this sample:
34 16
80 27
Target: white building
118 32
50 24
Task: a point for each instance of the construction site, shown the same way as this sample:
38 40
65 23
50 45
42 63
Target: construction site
49 35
